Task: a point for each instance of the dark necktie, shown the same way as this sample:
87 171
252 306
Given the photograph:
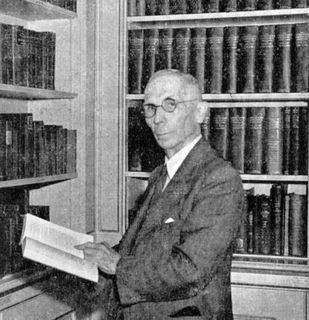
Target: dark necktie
159 184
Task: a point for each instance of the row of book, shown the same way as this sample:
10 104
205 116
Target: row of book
233 59
274 224
164 7
27 57
29 148
66 4
255 140
11 222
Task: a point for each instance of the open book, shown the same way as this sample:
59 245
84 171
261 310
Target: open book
53 245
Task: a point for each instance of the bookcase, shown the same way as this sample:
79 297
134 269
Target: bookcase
20 292
265 285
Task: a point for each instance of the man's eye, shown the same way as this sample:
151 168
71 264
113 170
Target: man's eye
149 107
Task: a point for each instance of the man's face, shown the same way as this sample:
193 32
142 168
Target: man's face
172 131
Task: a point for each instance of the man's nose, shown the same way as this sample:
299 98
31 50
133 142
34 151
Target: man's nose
159 115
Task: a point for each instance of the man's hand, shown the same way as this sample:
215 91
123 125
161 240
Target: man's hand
102 255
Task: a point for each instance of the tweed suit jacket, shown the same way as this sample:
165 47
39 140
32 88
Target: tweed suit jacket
166 267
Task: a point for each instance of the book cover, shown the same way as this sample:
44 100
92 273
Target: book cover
300 58
265 59
294 142
254 140
277 198
273 141
197 56
230 59
214 60
53 245
282 61
151 47
135 61
237 128
247 59
219 122
181 49
298 225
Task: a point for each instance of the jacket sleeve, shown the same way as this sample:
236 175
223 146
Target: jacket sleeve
204 242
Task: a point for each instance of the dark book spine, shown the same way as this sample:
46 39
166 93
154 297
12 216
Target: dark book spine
219 118
45 58
215 59
277 215
59 149
299 3
254 140
286 139
164 58
265 226
265 58
178 6
264 4
28 164
17 55
284 4
8 146
65 153
150 52
136 44
237 128
294 142
283 60
2 147
51 62
303 141
38 153
181 51
140 7
248 5
300 58
197 60
7 54
273 141
212 6
250 221
163 7
151 7
247 59
196 6
229 5
72 147
298 225
285 235
230 60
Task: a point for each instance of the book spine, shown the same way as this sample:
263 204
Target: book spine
140 7
284 4
136 47
178 6
131 8
28 166
237 128
300 4
265 58
197 58
7 54
37 148
250 221
264 5
230 60
216 59
248 5
286 139
265 227
300 59
17 55
181 51
212 6
303 141
150 53
248 57
2 147
164 58
297 225
151 7
219 119
254 140
283 61
294 144
230 5
196 6
273 141
163 7
205 125
277 213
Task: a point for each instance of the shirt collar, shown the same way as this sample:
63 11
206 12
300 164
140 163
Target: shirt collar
173 163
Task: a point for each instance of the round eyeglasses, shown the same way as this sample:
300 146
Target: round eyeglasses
168 105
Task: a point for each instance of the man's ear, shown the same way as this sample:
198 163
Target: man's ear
202 110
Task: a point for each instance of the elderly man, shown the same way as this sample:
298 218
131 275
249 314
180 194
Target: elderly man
175 259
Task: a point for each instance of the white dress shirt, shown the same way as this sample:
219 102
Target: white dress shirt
173 163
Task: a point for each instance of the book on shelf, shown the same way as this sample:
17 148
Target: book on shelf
265 218
178 6
181 49
53 245
165 53
303 141
294 143
247 5
286 140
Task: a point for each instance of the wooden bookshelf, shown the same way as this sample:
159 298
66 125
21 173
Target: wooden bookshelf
27 93
220 19
37 181
31 10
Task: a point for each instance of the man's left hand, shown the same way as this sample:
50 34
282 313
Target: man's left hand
105 257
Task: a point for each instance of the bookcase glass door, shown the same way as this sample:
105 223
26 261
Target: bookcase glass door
253 72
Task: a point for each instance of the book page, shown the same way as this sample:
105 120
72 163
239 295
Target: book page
54 235
55 258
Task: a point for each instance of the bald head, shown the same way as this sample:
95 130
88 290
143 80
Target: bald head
188 86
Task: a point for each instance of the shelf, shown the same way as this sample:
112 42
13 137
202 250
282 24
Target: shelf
220 19
31 10
27 93
265 178
36 182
